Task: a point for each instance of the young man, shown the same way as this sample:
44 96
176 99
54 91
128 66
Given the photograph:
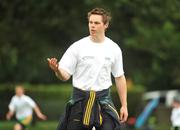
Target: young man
90 61
175 115
22 105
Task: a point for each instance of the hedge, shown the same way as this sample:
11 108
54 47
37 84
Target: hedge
52 98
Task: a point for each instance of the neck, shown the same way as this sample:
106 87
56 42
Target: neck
97 39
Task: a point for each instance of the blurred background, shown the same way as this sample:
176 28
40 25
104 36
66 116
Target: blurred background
148 33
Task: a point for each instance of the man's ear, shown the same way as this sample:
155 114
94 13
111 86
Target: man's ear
106 25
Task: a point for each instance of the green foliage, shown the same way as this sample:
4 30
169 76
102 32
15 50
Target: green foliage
148 33
53 98
157 42
152 43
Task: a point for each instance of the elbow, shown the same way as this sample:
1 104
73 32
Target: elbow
65 78
63 75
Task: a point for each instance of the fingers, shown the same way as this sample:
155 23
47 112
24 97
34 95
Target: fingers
123 118
44 117
123 115
48 59
8 116
52 60
53 63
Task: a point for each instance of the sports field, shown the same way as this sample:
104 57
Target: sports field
45 125
51 125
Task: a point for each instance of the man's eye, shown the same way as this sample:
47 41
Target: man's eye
96 23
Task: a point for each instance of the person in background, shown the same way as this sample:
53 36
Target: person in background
90 61
175 114
22 106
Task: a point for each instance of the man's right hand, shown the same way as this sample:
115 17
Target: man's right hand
60 73
9 115
53 64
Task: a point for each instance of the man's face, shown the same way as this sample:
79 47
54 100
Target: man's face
96 25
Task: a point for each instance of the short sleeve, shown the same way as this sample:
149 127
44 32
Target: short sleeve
12 105
69 60
30 102
117 66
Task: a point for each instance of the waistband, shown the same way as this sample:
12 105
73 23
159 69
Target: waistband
81 94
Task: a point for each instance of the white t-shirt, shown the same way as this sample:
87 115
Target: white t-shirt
175 117
22 106
91 64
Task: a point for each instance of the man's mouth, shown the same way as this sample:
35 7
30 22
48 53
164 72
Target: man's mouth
93 31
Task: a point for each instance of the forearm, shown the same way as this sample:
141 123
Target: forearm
9 115
122 90
37 110
62 74
39 113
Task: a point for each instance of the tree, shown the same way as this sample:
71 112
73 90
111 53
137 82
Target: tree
147 31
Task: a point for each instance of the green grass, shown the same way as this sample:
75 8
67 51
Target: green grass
51 125
45 125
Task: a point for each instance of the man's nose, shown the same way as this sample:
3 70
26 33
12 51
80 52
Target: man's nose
92 25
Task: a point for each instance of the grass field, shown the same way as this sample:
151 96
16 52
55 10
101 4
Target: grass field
45 125
51 125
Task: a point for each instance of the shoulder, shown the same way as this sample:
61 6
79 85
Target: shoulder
78 45
114 46
14 98
26 97
80 42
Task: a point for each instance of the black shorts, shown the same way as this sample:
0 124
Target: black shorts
76 115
